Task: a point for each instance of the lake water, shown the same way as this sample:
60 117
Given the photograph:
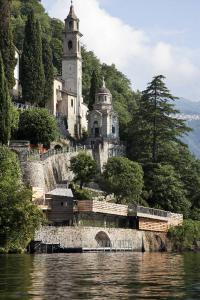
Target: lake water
100 276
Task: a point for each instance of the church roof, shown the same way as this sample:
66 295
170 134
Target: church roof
104 89
72 12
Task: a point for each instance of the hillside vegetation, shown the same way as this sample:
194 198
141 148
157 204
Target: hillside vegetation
148 124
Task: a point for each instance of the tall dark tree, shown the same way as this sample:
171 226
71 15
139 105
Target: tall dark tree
48 70
95 84
5 107
7 48
32 72
155 122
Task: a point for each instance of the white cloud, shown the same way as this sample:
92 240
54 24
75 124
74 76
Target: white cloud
132 50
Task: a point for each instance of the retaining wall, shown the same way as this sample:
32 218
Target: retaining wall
85 237
47 173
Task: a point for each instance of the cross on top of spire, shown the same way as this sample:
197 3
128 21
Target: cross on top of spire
71 12
104 84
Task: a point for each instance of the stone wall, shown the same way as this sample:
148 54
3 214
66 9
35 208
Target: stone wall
86 237
46 174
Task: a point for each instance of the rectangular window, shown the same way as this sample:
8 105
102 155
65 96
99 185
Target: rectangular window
72 102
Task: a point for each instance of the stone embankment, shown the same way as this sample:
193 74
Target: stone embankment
90 238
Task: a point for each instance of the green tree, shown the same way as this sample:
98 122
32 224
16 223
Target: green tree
186 236
48 71
124 99
5 107
95 84
84 168
124 179
90 63
57 51
32 71
19 217
14 113
154 123
57 28
167 190
7 48
38 126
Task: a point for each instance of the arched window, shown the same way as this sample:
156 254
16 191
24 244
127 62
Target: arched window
96 129
70 45
113 129
70 25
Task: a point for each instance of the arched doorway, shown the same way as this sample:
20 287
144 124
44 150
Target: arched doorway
103 240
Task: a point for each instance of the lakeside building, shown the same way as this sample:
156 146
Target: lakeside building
61 209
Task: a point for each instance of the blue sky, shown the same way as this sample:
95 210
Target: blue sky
154 16
143 38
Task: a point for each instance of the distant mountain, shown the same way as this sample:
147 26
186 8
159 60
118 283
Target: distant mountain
187 107
190 111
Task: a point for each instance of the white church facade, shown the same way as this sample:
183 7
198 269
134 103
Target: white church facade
101 124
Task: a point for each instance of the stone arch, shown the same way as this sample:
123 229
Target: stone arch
58 147
103 240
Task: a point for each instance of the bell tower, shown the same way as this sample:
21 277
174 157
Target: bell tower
72 60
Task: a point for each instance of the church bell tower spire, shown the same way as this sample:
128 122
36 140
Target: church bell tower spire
72 60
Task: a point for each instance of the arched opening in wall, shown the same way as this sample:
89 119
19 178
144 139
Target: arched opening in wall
70 45
160 244
58 148
103 240
96 129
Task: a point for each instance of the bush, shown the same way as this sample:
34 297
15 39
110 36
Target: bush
84 168
19 217
82 194
185 237
38 126
123 178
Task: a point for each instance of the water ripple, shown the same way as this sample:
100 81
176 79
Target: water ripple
100 276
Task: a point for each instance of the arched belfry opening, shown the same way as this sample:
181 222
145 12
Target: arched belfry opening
103 240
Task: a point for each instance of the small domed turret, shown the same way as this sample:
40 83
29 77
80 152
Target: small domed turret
103 95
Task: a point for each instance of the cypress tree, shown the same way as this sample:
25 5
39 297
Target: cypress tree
6 43
32 72
5 107
94 85
155 123
48 70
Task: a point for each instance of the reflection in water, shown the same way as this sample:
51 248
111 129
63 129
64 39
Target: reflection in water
100 276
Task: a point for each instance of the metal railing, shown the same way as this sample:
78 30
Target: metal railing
148 211
35 155
152 211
